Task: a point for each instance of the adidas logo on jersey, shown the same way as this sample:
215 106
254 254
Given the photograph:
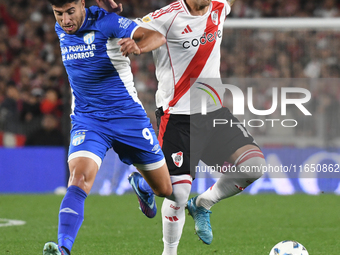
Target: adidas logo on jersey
187 30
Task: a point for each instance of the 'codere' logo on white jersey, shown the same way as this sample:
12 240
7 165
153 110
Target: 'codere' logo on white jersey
89 37
210 37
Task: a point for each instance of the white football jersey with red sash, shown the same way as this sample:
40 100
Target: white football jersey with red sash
192 50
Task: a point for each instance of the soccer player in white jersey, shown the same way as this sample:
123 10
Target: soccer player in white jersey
106 112
193 30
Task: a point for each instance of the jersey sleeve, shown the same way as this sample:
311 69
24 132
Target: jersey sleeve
227 8
115 26
156 20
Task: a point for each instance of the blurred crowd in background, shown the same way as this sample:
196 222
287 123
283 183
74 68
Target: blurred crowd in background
35 94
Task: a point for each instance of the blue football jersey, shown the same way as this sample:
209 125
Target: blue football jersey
100 77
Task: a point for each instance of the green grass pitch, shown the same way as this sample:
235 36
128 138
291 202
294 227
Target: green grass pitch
244 224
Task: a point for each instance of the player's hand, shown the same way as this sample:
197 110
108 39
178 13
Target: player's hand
129 46
110 6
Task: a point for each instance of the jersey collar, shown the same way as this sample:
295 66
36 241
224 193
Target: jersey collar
85 19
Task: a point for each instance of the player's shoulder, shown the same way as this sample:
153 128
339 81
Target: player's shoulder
96 14
224 2
165 12
101 18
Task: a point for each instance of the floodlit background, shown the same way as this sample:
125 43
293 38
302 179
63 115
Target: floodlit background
263 40
275 40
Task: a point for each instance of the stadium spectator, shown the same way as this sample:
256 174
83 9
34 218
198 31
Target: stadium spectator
48 135
51 103
328 9
30 55
30 115
9 109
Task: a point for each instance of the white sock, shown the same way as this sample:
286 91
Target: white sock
173 213
231 184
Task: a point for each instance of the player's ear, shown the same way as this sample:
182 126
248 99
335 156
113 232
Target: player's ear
83 3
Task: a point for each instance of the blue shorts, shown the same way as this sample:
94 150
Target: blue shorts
132 138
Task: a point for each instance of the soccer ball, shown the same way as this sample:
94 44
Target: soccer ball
288 248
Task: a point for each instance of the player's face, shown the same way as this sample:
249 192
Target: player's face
70 16
198 4
204 3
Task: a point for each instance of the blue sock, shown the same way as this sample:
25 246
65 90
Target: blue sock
144 186
71 216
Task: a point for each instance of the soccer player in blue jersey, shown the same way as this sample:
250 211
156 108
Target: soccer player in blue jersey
106 112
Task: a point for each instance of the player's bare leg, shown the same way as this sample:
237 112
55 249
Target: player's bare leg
159 180
228 185
83 172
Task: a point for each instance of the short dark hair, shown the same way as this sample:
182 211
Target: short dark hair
60 3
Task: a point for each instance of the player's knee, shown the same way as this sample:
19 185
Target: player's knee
251 164
164 190
81 174
179 198
77 179
167 191
252 176
180 194
252 169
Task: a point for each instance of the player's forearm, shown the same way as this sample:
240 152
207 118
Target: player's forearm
231 2
149 40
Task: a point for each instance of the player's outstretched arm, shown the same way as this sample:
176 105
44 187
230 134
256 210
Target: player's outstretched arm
110 6
148 40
